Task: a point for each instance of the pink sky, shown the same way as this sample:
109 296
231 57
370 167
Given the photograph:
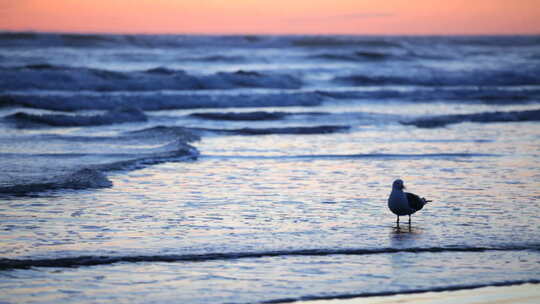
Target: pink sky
273 17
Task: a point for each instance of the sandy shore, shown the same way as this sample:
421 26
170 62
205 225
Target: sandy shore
522 294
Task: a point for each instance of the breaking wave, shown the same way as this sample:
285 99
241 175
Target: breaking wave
139 41
250 116
116 116
249 131
83 179
527 76
483 95
50 77
356 56
158 101
85 163
152 101
311 41
341 41
486 117
286 130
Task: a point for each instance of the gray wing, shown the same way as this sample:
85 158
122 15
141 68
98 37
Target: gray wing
415 201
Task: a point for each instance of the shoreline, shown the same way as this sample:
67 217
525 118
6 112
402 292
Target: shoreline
525 293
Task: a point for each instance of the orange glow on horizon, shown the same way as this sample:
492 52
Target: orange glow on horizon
412 17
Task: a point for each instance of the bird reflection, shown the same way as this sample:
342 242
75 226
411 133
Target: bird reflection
403 229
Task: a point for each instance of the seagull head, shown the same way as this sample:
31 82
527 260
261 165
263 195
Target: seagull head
398 185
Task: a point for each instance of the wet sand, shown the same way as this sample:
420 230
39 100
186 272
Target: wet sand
522 294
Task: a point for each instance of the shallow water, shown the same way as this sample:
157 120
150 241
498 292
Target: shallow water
242 199
250 280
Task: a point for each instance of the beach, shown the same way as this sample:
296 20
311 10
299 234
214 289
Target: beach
522 294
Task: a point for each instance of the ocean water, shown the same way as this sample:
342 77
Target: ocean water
250 169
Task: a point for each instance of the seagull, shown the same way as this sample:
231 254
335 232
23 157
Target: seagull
404 203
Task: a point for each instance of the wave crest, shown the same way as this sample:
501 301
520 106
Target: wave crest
116 116
50 77
7 264
87 178
158 101
486 117
527 76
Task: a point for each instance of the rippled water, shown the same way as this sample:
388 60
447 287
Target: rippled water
239 198
249 280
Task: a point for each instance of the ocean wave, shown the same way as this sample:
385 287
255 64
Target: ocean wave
93 176
355 56
138 41
341 41
485 117
51 77
377 56
254 41
313 118
528 76
82 179
17 35
154 101
85 40
78 261
495 41
213 58
179 150
115 116
180 134
181 41
253 116
243 116
283 131
325 129
465 95
67 40
85 160
368 80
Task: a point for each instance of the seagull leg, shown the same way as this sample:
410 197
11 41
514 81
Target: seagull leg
409 219
397 221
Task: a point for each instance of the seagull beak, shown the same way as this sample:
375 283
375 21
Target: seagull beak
402 186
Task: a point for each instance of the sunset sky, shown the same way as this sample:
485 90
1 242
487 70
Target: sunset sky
273 16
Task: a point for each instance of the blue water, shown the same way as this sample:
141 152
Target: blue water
218 169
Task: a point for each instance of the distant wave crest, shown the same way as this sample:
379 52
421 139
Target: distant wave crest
115 116
51 77
529 76
341 41
325 129
158 101
309 41
485 117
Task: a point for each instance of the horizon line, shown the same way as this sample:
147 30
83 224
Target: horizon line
119 33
